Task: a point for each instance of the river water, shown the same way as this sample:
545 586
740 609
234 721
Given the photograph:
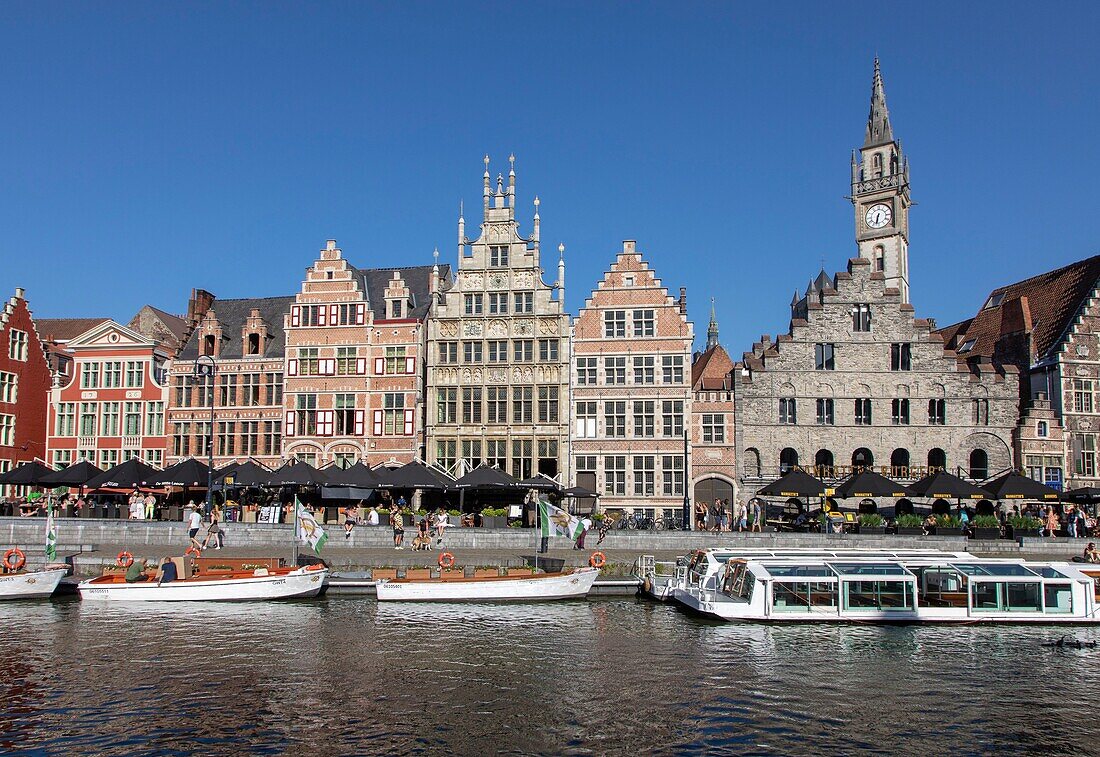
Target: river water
612 676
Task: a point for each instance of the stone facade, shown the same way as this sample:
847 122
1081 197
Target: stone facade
498 351
24 386
631 389
713 454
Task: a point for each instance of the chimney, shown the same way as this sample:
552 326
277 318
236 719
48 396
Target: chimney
683 300
201 301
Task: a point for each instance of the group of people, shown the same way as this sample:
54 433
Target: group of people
194 520
167 571
721 516
142 507
430 525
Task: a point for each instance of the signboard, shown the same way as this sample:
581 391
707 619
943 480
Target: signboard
268 514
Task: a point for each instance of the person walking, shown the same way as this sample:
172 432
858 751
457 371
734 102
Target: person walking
398 528
743 515
194 522
1052 521
724 522
214 530
700 515
1071 522
150 506
757 516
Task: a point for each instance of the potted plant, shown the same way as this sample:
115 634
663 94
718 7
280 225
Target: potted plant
909 525
494 517
383 516
948 525
1023 525
454 517
985 527
871 523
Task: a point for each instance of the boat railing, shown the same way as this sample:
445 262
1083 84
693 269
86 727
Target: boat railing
644 567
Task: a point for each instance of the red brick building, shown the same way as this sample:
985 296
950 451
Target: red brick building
24 386
713 460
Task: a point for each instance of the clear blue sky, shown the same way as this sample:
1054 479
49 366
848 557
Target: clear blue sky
153 147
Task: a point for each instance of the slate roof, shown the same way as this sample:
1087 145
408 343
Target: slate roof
64 329
232 315
1054 299
417 278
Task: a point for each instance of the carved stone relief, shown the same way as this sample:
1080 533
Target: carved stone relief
498 328
524 280
473 281
548 326
524 328
471 329
448 328
498 281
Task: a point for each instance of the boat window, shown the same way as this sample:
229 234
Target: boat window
747 585
799 570
1046 571
791 597
1058 597
823 593
878 595
869 569
1006 596
995 569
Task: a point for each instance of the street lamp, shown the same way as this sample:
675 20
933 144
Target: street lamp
687 497
204 370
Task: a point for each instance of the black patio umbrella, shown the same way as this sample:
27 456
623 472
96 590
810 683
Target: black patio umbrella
1086 494
414 475
944 485
187 473
794 483
541 482
1014 486
357 475
869 484
247 473
77 474
27 474
131 474
486 477
579 492
225 471
297 473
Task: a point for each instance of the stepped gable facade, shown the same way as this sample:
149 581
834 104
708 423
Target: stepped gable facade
24 386
245 338
858 382
631 389
1047 327
498 350
713 453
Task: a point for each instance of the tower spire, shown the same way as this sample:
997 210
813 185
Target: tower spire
712 327
878 120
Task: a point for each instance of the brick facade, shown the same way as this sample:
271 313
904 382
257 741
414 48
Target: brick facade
24 386
713 454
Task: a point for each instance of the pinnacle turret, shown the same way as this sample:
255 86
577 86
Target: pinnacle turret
712 327
879 130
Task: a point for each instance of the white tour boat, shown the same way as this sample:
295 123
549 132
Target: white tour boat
38 584
528 587
881 586
222 586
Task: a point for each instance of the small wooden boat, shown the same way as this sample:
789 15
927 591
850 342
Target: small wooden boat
38 584
215 586
529 587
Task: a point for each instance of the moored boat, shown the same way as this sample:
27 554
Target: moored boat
223 586
38 584
456 587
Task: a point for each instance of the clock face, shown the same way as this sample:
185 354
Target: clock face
878 215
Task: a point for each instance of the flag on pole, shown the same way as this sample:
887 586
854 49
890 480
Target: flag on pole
308 529
51 536
557 522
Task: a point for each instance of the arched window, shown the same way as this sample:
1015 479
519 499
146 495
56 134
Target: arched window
788 459
752 462
979 464
899 463
937 459
880 258
823 464
893 163
862 458
876 165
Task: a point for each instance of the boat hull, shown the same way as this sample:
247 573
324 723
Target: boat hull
538 588
32 585
297 584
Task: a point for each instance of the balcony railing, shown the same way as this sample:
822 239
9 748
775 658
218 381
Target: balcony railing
131 442
874 185
86 442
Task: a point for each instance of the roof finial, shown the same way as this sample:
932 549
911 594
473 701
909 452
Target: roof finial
512 162
878 120
561 251
435 256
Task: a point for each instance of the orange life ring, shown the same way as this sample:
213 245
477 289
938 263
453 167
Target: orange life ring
124 559
597 560
446 561
193 550
19 561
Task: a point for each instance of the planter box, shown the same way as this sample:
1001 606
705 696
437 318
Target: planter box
910 532
1013 533
987 533
494 521
948 531
454 520
876 530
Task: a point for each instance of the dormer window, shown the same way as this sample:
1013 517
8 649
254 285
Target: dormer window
1041 429
396 309
209 342
967 346
498 256
253 345
994 300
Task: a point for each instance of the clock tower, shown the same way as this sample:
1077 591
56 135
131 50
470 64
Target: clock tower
880 195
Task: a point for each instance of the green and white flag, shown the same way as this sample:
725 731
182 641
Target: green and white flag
51 536
557 522
309 530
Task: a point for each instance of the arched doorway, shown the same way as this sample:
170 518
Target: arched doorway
937 460
862 458
979 464
899 463
903 507
823 464
867 506
788 459
710 489
941 507
984 507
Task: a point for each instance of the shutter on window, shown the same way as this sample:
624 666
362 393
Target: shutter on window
359 420
322 311
295 316
360 314
291 426
360 365
379 366
378 423
333 316
409 423
328 366
292 367
325 422
410 365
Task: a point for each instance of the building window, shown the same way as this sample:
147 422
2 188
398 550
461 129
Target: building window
496 404
862 458
937 412
981 411
788 411
66 419
306 410
672 417
496 453
135 374
472 304
274 383
252 344
181 439
586 371
523 350
87 419
344 408
861 317
471 352
471 404
937 460
347 361
899 412
447 405
498 256
672 369
131 419
522 398
614 323
979 464
614 472
1041 429
17 345
824 356
89 375
586 420
788 460
397 364
614 418
111 413
448 353
228 389
901 356
498 351
112 374
899 463
62 458
823 464
471 452
446 453
643 475
250 389
525 302
863 412
250 438
672 478
7 430
308 361
880 258
227 437
273 437
108 458
548 350
614 370
644 418
825 412
714 428
396 309
1082 396
644 323
9 387
521 458
1085 457
393 409
644 372
548 404
498 303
